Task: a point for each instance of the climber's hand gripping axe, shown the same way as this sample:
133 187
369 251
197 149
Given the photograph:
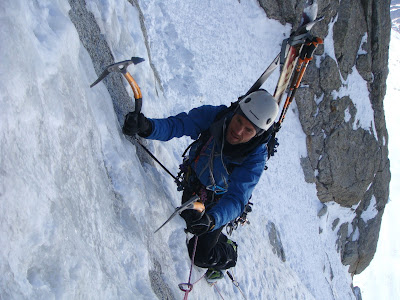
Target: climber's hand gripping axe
121 67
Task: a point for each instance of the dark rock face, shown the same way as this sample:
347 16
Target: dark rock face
100 53
348 164
275 241
348 31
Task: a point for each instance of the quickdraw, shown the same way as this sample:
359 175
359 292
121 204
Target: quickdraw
241 220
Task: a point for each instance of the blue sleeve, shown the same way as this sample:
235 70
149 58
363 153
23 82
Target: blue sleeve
189 124
242 182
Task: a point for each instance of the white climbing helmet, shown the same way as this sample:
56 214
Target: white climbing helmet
260 108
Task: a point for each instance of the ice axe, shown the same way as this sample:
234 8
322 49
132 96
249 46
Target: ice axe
121 67
192 203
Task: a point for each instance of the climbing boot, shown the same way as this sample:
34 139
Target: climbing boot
213 275
233 244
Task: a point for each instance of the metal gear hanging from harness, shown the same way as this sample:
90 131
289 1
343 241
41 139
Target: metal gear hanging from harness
241 220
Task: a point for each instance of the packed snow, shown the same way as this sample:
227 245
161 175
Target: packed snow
78 207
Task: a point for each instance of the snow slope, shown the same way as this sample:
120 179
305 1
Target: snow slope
77 207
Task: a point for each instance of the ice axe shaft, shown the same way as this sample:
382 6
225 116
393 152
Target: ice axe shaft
122 67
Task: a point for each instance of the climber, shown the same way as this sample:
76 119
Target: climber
223 166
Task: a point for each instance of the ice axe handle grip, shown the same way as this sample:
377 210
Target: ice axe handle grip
138 105
136 92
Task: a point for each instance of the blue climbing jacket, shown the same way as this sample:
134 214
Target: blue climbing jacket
234 177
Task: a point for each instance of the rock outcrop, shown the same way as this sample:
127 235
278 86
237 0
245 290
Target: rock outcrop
348 163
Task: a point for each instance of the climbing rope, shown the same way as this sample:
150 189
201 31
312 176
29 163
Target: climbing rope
187 287
236 284
218 291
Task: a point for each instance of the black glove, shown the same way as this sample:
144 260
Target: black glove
200 226
137 124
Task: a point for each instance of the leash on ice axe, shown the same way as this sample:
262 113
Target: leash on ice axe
121 67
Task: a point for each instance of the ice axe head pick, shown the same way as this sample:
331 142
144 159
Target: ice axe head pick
121 67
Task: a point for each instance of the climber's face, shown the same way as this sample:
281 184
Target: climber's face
240 130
